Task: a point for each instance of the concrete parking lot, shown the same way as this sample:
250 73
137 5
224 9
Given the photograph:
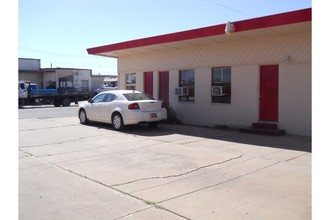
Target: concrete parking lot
72 171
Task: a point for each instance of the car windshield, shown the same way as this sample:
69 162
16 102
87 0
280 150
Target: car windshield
138 96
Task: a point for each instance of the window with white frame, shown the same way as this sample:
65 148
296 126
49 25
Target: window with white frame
131 81
187 85
221 85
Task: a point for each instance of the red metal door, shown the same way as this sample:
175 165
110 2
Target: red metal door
269 93
149 83
164 86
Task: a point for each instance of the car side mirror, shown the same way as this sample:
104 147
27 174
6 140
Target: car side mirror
90 100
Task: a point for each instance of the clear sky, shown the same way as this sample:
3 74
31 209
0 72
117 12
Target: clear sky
58 32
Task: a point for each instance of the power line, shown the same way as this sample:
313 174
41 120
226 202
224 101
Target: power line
226 7
93 65
52 53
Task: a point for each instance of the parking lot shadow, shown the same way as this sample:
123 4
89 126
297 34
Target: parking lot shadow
289 142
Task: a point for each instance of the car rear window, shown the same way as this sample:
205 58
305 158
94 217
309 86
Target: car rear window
138 96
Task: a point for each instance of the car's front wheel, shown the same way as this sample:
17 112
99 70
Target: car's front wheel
83 117
117 121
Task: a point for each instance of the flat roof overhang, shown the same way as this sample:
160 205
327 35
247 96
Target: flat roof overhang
268 26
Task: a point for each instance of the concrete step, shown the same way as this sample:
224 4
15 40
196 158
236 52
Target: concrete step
263 128
265 125
263 131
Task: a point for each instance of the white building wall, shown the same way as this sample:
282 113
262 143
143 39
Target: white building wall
49 78
139 80
156 84
295 98
33 77
243 109
244 57
82 75
76 75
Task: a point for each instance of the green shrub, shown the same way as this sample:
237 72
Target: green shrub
171 116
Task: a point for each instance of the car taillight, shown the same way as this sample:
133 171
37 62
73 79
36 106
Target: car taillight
134 106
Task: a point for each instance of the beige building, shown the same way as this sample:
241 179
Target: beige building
29 70
231 74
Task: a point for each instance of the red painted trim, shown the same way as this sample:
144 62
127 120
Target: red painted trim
149 83
173 37
163 86
245 25
269 93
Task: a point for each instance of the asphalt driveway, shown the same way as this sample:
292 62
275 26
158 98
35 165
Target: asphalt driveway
72 171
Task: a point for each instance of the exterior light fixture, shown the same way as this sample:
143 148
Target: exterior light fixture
229 28
288 59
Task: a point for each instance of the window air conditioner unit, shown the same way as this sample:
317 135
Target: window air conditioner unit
218 91
182 91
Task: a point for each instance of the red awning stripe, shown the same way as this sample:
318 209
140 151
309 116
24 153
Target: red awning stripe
245 25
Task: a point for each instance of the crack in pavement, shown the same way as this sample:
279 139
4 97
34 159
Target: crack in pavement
52 127
301 155
63 142
187 177
84 150
157 204
177 175
226 181
149 203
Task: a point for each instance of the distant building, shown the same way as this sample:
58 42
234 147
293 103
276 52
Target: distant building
27 64
100 80
81 79
29 69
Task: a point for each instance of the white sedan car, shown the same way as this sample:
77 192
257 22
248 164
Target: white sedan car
122 107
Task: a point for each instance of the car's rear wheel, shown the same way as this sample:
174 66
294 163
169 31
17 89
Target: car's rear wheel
117 121
83 117
153 124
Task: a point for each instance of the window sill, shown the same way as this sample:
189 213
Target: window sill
219 103
187 102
